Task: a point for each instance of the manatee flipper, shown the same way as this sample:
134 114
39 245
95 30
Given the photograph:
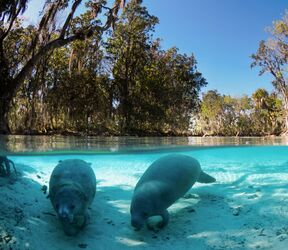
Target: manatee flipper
205 178
85 220
165 219
153 225
80 221
69 228
78 224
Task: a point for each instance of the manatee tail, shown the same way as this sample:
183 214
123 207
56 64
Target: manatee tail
205 178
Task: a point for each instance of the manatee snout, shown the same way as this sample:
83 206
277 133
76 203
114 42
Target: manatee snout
65 213
68 203
137 222
139 212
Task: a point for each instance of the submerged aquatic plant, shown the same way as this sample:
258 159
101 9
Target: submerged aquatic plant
5 166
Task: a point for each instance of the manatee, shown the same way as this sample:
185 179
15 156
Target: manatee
72 188
165 181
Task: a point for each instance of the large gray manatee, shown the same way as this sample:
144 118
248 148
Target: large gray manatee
72 188
166 180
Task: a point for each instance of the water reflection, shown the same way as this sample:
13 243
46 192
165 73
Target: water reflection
17 144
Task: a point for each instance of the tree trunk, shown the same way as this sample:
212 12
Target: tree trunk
5 97
286 120
9 87
285 105
125 109
286 123
4 110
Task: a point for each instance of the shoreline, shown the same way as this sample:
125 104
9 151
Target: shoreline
38 144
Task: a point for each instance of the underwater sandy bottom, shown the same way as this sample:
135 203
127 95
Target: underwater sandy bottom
247 208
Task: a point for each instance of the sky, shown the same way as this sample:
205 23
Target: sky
222 34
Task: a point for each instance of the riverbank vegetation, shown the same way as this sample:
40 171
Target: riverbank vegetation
84 78
260 114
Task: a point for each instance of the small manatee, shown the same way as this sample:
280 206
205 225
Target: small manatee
72 188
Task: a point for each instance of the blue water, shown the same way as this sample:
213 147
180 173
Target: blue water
226 164
246 208
214 159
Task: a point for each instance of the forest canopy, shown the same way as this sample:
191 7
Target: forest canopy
89 75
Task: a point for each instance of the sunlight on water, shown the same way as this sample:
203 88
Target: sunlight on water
243 209
227 164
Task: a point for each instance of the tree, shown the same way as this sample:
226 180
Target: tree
128 52
128 86
272 57
156 91
68 92
260 97
178 84
211 113
267 113
46 39
230 116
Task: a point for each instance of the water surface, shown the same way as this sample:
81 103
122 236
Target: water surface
88 144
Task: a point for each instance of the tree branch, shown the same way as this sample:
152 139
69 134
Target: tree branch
57 43
10 25
54 44
69 17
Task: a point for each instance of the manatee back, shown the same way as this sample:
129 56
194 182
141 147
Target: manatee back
177 170
75 173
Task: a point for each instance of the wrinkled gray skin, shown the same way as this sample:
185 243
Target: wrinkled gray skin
165 181
72 188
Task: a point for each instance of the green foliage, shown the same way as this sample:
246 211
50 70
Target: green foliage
225 115
272 57
156 91
33 45
128 53
124 85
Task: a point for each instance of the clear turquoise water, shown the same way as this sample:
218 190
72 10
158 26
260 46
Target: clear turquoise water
252 180
208 156
130 154
225 163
